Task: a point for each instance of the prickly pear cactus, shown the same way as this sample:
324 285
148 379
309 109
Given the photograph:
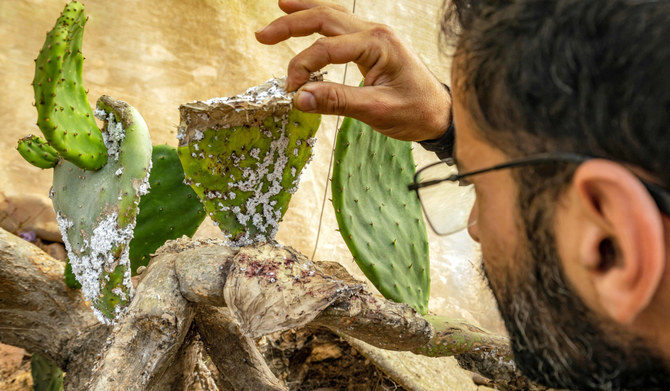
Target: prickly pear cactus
38 152
380 221
170 210
243 156
96 210
63 112
69 277
46 374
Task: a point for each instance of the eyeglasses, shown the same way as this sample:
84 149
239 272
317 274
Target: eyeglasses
447 198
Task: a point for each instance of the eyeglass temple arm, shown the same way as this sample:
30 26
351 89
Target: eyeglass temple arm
539 158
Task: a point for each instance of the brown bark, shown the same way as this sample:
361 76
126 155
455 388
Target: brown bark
234 354
189 372
267 288
143 343
38 312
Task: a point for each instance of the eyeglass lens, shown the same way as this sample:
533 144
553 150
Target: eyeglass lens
447 205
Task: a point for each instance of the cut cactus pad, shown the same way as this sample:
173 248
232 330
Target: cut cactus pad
380 221
243 156
96 210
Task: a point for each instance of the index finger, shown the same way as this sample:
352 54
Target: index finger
357 47
323 20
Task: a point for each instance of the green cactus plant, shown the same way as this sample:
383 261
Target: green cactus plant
170 210
69 277
96 210
63 113
380 221
38 152
243 156
46 374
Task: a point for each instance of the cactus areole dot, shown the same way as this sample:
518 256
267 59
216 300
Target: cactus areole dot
243 156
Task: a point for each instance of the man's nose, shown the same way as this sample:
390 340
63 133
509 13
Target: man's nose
472 224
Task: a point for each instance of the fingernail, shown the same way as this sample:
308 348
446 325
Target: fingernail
306 101
260 30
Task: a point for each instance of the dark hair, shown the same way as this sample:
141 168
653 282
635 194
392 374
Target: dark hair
568 75
586 76
459 14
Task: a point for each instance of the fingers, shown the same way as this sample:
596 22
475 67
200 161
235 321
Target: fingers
372 105
291 6
323 20
360 48
334 98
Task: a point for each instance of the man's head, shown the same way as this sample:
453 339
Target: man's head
577 255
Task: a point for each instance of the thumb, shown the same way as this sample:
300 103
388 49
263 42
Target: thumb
362 103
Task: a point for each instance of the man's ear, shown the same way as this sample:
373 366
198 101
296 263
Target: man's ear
622 246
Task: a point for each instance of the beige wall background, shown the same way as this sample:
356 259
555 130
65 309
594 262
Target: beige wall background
157 54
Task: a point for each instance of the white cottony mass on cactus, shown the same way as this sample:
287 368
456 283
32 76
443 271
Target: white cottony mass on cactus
97 210
97 259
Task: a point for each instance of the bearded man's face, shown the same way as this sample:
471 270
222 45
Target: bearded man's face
557 339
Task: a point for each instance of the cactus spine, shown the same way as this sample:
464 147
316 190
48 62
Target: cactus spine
243 156
380 221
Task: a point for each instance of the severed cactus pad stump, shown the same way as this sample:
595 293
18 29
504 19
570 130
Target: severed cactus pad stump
243 156
97 210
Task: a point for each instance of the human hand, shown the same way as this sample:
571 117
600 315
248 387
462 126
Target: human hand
400 98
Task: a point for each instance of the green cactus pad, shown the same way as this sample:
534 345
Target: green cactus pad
63 112
46 374
38 152
96 211
69 277
243 156
380 221
170 210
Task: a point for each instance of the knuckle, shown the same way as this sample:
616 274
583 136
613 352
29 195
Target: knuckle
335 102
320 47
294 64
321 42
297 68
324 12
382 31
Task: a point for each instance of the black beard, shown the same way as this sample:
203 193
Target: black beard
557 341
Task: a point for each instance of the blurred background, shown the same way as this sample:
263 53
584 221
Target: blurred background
158 54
